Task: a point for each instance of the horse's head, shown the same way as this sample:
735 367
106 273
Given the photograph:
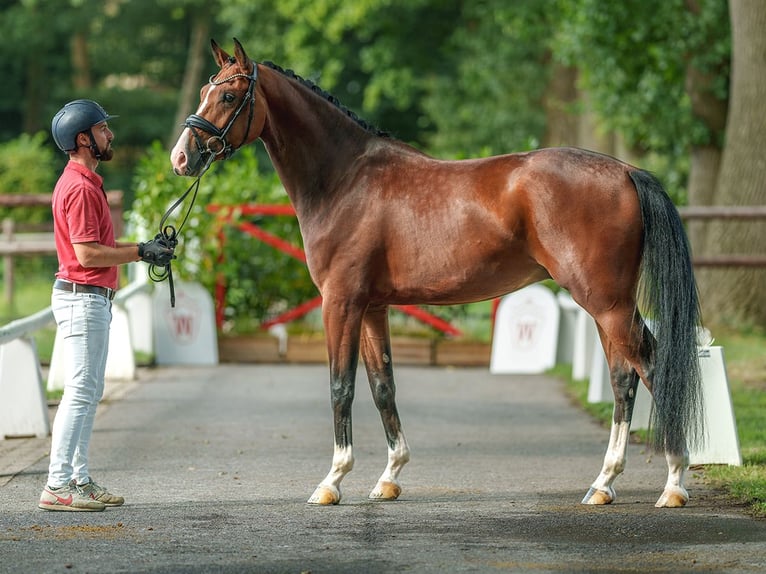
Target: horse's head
229 116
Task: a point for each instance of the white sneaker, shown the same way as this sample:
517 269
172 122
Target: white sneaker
68 498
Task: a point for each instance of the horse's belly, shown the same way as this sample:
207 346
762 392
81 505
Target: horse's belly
466 282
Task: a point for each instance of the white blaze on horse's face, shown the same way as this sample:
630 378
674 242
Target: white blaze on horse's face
179 155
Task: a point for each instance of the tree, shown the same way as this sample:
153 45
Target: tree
654 72
455 78
490 97
737 295
707 59
187 100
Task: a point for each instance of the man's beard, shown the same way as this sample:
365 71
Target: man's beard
107 154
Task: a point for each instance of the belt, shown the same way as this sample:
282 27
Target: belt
63 285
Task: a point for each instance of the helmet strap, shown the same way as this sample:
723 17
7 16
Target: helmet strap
94 146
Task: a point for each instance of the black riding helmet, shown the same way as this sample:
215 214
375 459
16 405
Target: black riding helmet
76 117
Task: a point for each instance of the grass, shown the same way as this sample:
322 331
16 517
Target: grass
746 369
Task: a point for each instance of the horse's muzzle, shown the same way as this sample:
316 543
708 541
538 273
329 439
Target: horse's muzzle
181 159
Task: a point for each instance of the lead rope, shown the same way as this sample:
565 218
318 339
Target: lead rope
169 234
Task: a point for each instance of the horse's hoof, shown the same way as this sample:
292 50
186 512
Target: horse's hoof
325 496
674 498
599 497
386 490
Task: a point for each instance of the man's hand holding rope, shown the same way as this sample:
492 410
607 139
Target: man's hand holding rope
158 252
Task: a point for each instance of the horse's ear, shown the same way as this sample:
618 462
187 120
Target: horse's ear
239 54
219 55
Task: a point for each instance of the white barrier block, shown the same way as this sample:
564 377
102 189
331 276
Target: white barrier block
526 332
23 406
582 353
722 444
120 361
567 328
642 408
599 385
140 319
57 369
185 334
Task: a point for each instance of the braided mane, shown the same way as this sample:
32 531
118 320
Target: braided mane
329 97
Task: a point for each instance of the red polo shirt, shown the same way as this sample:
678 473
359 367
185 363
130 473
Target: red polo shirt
81 215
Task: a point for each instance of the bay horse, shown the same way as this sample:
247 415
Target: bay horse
385 224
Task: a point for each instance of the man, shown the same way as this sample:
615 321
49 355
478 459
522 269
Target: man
81 300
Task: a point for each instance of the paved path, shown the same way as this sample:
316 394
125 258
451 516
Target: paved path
216 465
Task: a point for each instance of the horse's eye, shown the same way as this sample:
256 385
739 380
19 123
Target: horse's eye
229 98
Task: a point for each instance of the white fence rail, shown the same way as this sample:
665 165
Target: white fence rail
23 405
22 327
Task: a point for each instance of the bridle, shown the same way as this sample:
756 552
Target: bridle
217 144
214 146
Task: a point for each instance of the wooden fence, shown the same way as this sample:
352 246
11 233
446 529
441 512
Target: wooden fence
21 239
742 212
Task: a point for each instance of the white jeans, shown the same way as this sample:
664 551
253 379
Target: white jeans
83 319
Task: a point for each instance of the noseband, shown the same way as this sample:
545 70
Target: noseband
217 144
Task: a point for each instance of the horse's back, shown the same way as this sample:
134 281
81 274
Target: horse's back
435 231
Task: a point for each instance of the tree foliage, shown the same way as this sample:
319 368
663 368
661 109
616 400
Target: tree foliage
26 167
457 79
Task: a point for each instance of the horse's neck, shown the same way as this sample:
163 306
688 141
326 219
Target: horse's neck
310 142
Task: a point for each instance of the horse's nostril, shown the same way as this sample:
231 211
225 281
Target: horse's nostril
179 162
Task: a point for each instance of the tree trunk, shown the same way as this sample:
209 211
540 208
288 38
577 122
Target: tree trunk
737 295
35 91
81 79
708 108
195 61
703 174
590 135
560 98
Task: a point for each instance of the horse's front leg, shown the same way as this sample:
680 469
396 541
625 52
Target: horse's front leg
342 322
376 353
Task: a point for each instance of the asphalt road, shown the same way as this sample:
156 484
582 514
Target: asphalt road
216 465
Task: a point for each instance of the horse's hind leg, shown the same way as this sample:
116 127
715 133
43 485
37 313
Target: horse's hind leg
629 347
624 379
376 353
675 495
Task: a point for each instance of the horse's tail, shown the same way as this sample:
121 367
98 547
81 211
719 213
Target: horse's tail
668 294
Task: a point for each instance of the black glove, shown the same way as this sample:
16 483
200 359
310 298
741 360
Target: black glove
158 251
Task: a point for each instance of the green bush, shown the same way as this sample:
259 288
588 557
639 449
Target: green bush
260 281
27 166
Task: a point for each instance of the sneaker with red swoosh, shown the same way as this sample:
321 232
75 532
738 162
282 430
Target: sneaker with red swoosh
68 498
99 493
